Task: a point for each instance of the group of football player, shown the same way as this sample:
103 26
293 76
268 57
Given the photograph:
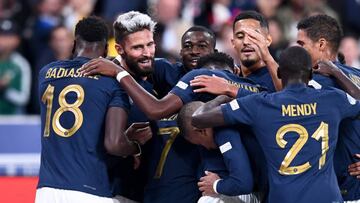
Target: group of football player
138 129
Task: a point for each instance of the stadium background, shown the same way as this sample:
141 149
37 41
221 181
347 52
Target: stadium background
45 27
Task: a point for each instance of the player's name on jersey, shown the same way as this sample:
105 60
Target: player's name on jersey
299 109
355 79
243 86
67 73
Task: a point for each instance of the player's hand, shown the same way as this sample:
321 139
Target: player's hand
354 169
100 66
326 68
261 42
213 85
139 132
206 183
237 70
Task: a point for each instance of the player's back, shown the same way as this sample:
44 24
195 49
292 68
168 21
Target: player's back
349 139
298 129
73 110
172 165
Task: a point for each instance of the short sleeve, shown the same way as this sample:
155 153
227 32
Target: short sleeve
236 159
120 99
183 89
241 110
243 92
350 107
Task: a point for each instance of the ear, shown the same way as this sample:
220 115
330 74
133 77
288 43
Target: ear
322 44
232 42
268 40
119 48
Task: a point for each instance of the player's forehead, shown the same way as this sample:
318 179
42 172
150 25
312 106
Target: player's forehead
240 25
197 37
302 37
140 37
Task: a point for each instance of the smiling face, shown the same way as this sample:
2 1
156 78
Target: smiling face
138 50
247 51
194 45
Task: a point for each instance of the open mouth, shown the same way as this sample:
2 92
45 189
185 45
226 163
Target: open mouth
247 51
194 60
145 62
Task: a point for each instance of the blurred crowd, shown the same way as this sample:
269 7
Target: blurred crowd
36 32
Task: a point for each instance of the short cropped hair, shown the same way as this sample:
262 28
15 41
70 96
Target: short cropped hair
184 117
252 15
198 28
295 61
220 59
322 26
92 29
131 22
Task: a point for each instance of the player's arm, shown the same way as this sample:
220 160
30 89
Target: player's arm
327 68
153 108
210 114
214 85
263 42
217 86
240 178
116 142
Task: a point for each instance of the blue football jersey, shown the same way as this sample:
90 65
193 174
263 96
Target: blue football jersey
297 129
172 165
185 91
73 110
240 178
125 180
166 75
263 78
349 138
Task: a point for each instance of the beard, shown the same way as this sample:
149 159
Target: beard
134 66
248 63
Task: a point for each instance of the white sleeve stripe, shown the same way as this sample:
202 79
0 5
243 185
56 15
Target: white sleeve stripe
215 185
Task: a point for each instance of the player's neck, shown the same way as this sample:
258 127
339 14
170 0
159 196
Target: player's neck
246 71
293 81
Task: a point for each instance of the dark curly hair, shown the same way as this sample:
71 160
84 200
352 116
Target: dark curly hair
322 26
217 58
92 29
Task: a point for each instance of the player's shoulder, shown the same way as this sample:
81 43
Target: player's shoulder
161 63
